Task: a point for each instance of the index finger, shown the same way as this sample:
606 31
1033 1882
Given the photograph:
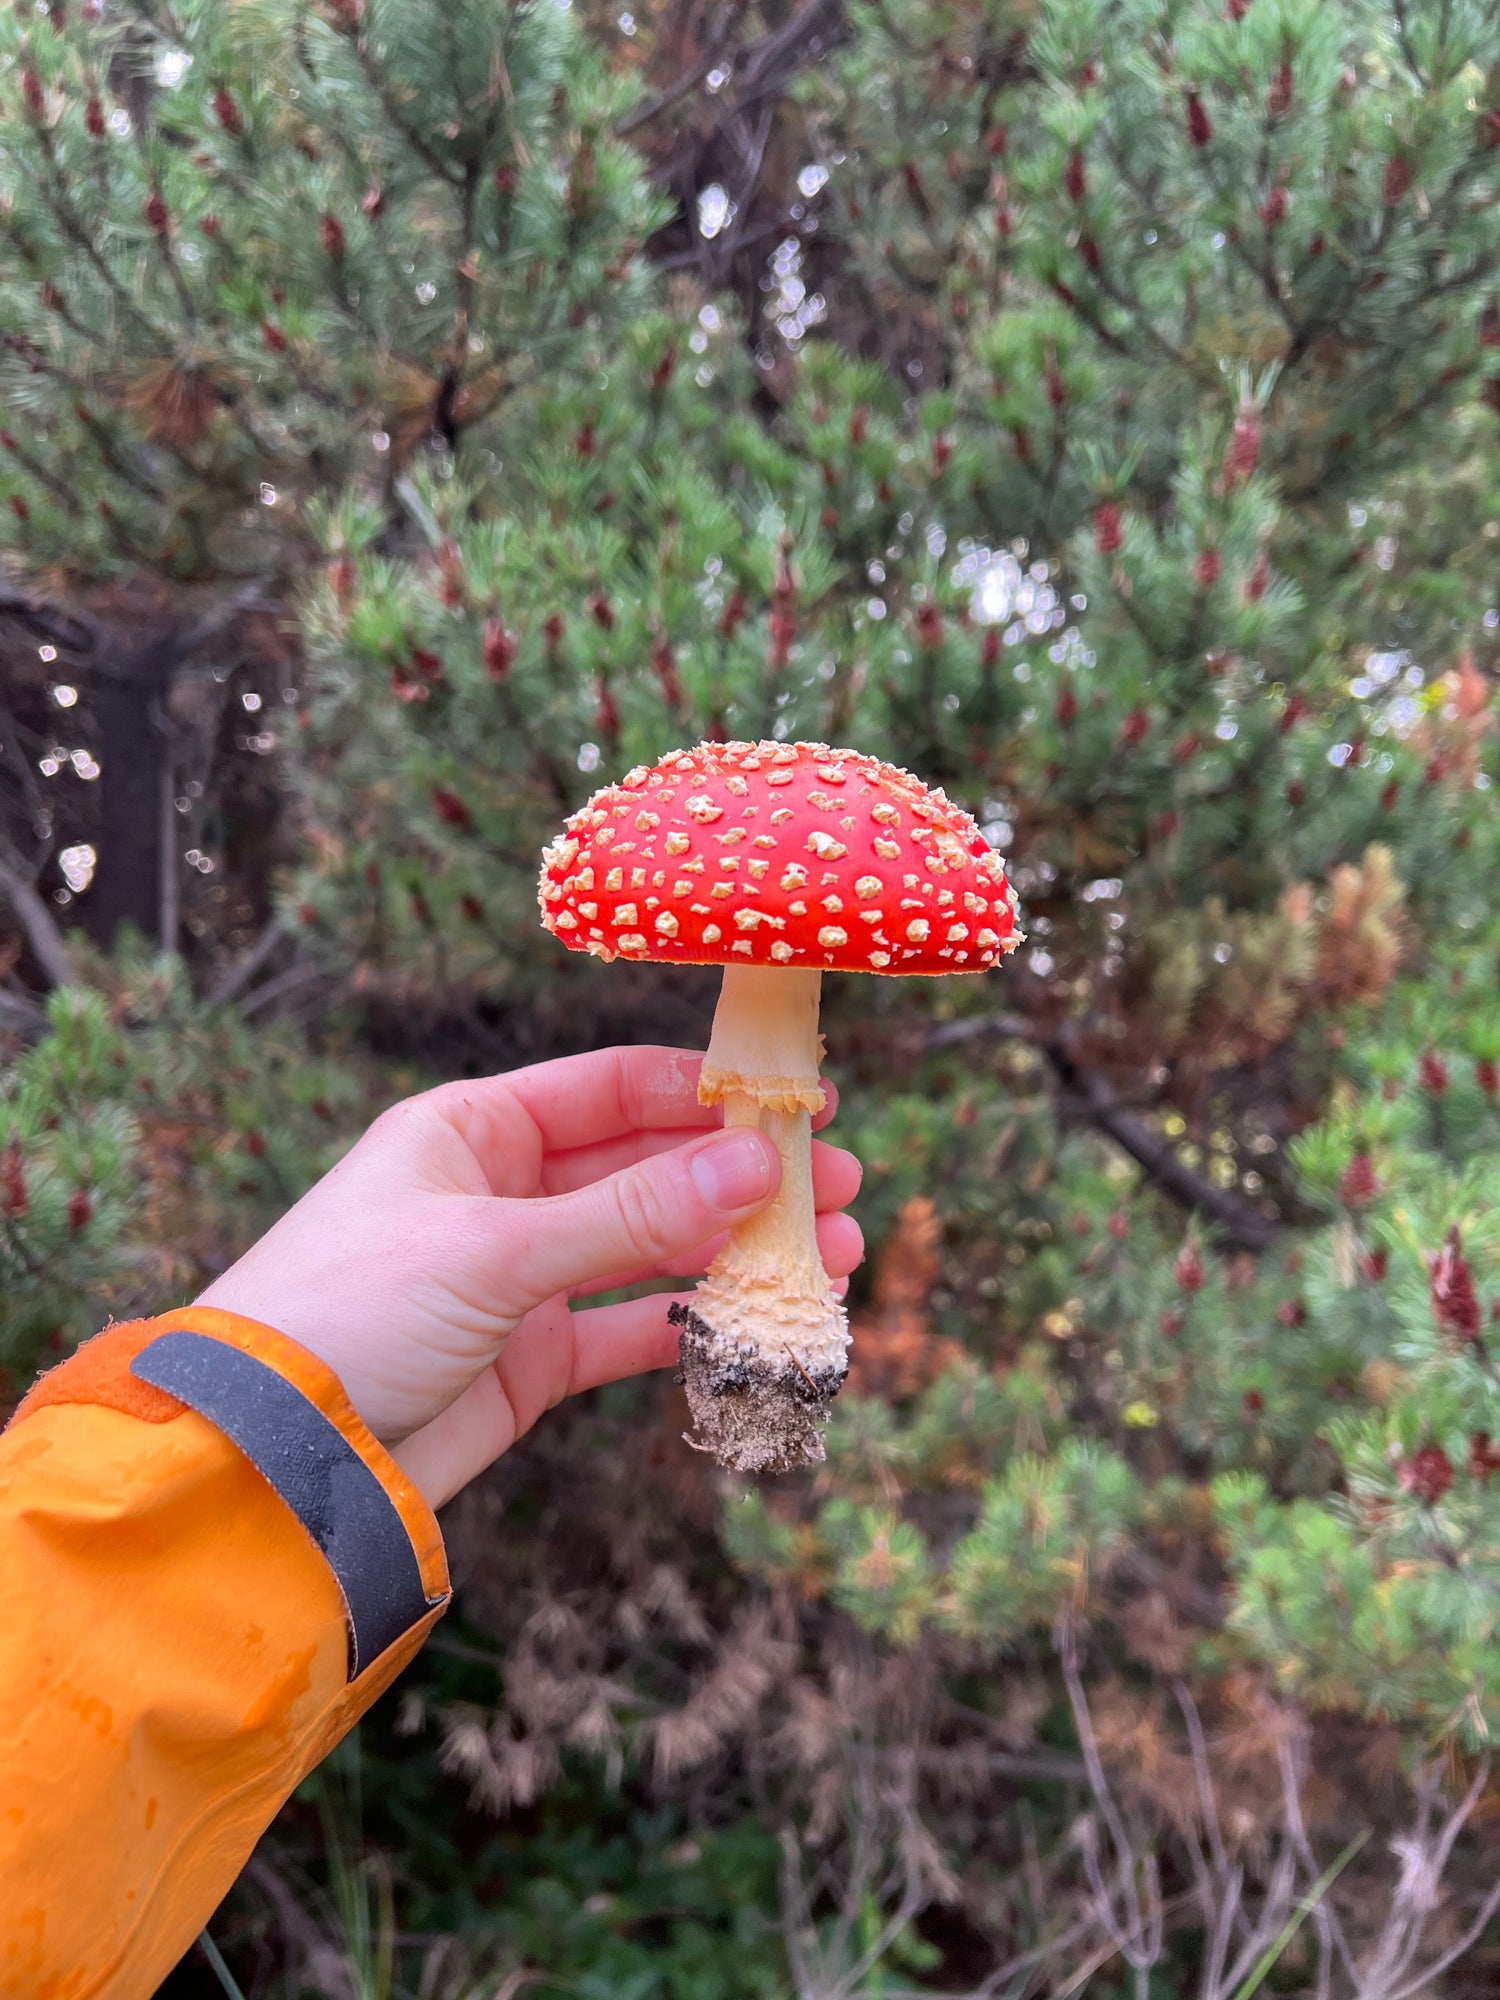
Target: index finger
580 1100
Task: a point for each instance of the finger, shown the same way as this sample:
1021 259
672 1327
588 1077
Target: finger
565 1171
654 1211
582 1099
836 1174
841 1245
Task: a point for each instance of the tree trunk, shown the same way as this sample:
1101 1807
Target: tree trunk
134 756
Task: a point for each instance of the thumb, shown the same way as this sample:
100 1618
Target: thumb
646 1214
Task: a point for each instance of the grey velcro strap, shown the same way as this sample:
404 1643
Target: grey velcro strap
315 1469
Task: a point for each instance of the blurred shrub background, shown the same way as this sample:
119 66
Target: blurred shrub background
418 411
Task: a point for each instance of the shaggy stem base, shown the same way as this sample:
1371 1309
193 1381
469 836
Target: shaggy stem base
765 1343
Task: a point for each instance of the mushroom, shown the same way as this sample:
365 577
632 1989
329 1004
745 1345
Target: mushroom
778 861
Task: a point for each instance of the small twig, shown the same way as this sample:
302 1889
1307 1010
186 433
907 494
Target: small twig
801 1370
36 920
243 971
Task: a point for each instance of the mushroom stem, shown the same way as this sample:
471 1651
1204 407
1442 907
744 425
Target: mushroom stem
765 1342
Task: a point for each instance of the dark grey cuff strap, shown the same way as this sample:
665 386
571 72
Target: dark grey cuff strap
314 1468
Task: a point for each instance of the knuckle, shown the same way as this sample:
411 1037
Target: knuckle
645 1213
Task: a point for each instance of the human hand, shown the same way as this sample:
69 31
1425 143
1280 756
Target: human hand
432 1268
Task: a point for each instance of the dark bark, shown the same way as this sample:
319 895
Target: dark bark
133 750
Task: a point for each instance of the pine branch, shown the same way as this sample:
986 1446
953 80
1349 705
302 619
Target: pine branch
48 946
1241 1225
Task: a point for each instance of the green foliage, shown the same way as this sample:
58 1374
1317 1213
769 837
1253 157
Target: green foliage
145 1140
1109 436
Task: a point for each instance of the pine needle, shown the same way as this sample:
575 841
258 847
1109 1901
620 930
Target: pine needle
1300 1915
216 1959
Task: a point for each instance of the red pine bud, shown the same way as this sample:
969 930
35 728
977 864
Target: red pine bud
405 685
1200 131
929 625
989 652
583 441
942 452
1273 209
472 908
19 508
372 201
663 372
1067 709
782 625
331 236
859 425
996 141
1088 74
1002 220
1243 454
255 1145
1088 250
1358 1184
1293 713
733 613
211 227
1427 1474
449 807
93 118
1455 1305
51 297
80 1209
32 94
1075 177
1397 179
14 1198
1483 1457
1170 1324
421 909
1057 394
154 209
607 716
1279 96
664 666
1108 536
1487 1077
1252 1402
428 665
1374 1265
228 113
600 612
1206 569
497 649
1256 581
1432 1073
1236 10
1135 726
273 337
1189 1269
553 628
1389 795
341 577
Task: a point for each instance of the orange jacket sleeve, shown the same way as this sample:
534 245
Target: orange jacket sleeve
209 1569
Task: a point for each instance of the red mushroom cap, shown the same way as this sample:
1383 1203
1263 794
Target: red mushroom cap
778 854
